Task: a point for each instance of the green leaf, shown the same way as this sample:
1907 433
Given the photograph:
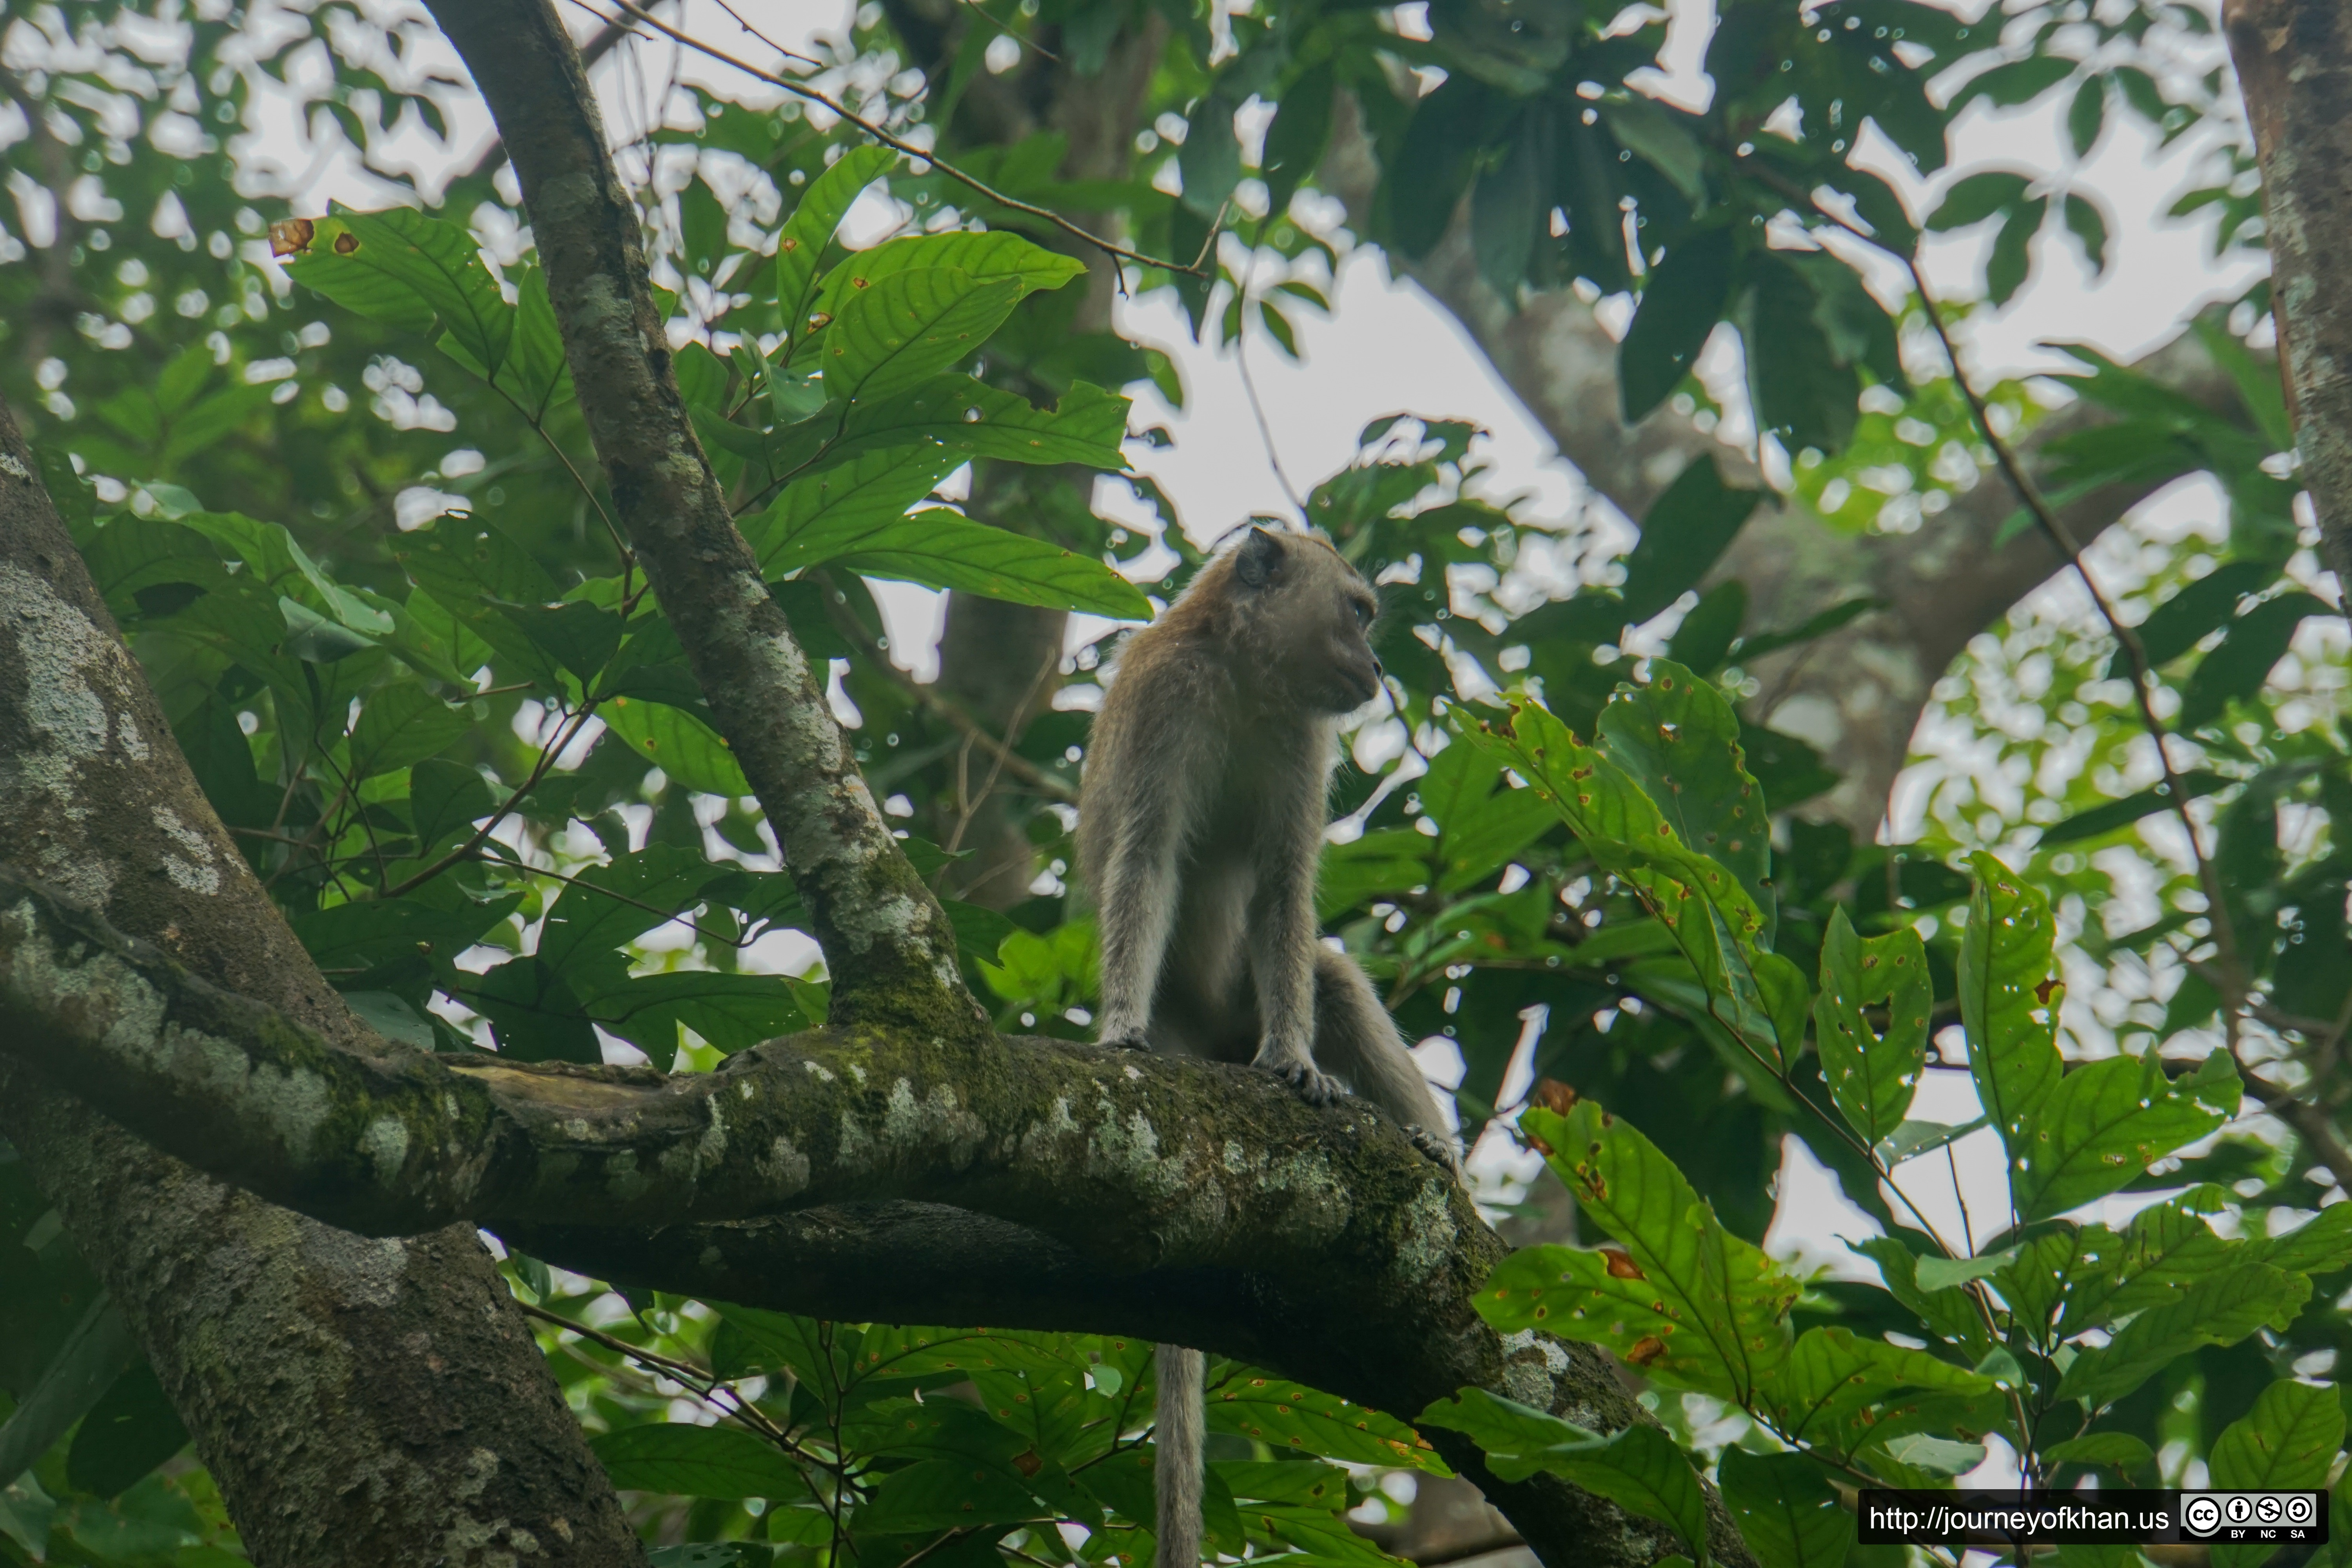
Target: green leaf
2092 822
805 233
470 568
1833 1391
2008 1002
2086 117
536 373
947 1494
578 636
1639 1469
752 1340
1678 738
2084 221
1912 1139
1300 132
1943 1273
1936 1456
1686 1301
2237 669
1871 1076
2320 1246
974 420
446 798
2287 1442
698 1461
98 1351
1210 159
2020 81
993 256
2100 1129
1785 1509
405 269
1705 636
1508 207
2117 1451
1685 531
2219 1309
1682 298
132 555
690 752
732 1012
130 1430
942 549
848 500
1977 198
402 724
2011 257
1660 137
909 326
1290 1416
313 636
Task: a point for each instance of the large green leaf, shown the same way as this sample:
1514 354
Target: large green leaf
942 549
2221 1309
909 326
400 724
989 256
975 420
732 1012
802 245
2287 1442
1682 299
698 1461
846 499
2008 1001
1832 1390
1679 740
1684 532
1685 1301
1290 1416
1871 1076
2101 1129
1638 1467
1786 1512
470 568
679 743
405 269
1713 921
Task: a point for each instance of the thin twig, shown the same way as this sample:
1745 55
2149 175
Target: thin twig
1257 409
568 731
898 144
968 807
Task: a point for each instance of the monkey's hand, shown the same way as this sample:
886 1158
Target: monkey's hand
1131 1040
1309 1082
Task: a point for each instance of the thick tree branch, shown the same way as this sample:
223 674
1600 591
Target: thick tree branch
888 946
1091 1189
338 1418
2294 67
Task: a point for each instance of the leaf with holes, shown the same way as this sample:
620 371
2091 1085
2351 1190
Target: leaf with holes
405 269
680 743
807 231
1678 738
2008 1000
1871 1076
1684 1302
2287 1442
2101 1129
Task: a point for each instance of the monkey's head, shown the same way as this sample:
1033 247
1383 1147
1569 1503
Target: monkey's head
1303 620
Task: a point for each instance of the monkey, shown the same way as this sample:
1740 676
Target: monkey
1200 816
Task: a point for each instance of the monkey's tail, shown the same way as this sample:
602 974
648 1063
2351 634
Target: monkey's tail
1178 1472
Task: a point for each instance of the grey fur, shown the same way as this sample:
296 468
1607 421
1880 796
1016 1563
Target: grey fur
1200 830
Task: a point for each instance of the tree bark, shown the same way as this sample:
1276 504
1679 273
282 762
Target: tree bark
887 944
1182 1201
2294 66
1858 692
358 1402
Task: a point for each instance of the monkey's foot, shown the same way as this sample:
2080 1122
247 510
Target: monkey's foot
1132 1041
1309 1082
1438 1147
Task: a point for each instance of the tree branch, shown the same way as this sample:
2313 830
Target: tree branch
1090 1189
2293 60
887 942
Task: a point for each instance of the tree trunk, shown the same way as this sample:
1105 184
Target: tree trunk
359 1402
2294 67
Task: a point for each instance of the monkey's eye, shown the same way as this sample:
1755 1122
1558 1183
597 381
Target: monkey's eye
1364 612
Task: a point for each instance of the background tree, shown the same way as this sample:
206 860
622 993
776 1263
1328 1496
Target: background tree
1503 189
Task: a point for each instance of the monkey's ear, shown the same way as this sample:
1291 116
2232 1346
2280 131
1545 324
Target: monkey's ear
1261 552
